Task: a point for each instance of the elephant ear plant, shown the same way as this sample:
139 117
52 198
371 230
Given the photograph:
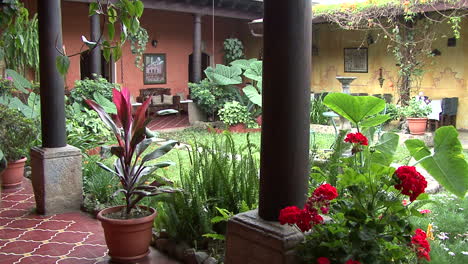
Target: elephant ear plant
131 166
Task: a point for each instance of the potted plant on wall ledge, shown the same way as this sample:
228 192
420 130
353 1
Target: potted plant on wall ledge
416 113
18 134
128 228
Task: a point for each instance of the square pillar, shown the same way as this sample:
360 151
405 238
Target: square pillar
252 240
57 179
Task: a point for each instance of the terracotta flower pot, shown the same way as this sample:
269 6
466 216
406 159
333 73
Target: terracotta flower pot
237 128
128 240
12 176
417 126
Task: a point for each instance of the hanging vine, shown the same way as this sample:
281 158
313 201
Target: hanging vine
19 43
138 41
409 26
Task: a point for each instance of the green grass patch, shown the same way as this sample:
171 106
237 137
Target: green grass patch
448 216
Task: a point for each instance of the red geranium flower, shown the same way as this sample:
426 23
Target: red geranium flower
323 260
412 183
422 247
352 262
357 138
325 192
289 215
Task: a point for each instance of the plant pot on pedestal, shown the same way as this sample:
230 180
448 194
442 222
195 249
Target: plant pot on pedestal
128 240
12 176
417 126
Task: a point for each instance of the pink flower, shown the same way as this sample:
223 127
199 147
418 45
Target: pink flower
404 202
425 211
352 262
9 78
323 260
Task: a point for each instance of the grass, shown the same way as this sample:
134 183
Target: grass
448 217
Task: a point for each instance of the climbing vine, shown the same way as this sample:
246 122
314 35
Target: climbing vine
138 41
233 50
410 27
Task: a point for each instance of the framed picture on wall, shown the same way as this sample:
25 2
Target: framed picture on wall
154 70
355 60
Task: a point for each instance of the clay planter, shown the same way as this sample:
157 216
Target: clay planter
12 176
128 240
417 126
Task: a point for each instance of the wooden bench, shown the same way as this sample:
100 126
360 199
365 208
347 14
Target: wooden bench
161 98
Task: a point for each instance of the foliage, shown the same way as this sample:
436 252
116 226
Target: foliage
19 43
6 86
411 27
221 174
317 108
18 133
234 113
132 143
121 14
88 87
369 219
233 50
138 41
392 111
3 161
210 97
416 108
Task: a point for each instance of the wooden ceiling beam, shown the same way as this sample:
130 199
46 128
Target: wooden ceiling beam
193 9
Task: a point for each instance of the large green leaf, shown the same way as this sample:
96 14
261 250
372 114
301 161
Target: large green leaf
374 121
34 102
385 149
354 108
19 81
224 75
105 103
448 164
62 63
243 64
159 152
255 70
253 95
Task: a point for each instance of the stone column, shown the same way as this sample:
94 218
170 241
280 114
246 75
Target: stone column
95 65
197 52
257 237
56 167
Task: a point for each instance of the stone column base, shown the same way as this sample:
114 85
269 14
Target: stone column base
195 113
57 179
252 240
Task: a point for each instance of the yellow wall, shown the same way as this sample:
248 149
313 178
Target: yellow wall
446 77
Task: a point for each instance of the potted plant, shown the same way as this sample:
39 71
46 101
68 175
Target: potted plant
416 113
236 116
18 134
128 228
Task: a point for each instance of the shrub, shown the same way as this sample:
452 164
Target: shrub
317 108
87 87
233 50
210 97
221 175
393 112
416 108
17 133
234 113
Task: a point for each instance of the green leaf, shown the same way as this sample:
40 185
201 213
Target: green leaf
63 63
447 165
139 7
255 70
112 15
117 53
374 121
385 149
19 81
350 177
93 7
243 64
106 52
224 75
105 103
354 108
110 30
215 236
253 95
160 151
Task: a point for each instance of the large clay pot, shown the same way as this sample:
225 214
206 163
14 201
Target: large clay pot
128 240
417 126
12 176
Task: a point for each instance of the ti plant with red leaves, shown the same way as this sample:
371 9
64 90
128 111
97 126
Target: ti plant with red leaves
132 142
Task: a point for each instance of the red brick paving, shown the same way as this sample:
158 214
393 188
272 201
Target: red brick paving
64 239
169 121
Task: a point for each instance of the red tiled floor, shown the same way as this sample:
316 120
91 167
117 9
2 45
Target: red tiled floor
169 121
65 239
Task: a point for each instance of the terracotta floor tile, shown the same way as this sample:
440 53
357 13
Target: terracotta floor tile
75 261
39 260
54 225
7 204
24 223
89 251
17 197
7 233
20 247
37 235
5 221
70 237
3 242
13 213
96 238
24 205
7 259
71 216
54 249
